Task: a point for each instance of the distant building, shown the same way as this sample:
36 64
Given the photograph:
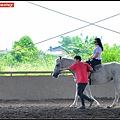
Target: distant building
56 50
3 51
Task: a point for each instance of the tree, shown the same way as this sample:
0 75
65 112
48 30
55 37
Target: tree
78 46
111 54
24 49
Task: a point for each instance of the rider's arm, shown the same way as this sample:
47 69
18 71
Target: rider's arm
90 57
96 55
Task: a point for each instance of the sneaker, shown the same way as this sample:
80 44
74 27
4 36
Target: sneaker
82 107
91 102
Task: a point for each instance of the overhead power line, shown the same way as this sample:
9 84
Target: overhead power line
74 29
81 19
76 19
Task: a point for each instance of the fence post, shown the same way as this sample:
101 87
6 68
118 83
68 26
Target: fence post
10 73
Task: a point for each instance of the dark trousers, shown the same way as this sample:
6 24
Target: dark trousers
94 62
81 87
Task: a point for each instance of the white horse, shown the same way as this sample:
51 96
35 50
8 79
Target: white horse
65 62
106 73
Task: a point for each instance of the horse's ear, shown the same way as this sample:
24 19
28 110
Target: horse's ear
60 57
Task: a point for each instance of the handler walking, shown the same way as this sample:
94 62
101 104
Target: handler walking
81 70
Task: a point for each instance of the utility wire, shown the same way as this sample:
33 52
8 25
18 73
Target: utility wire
81 19
76 19
74 29
62 34
54 37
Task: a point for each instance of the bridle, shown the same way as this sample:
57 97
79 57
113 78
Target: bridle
61 62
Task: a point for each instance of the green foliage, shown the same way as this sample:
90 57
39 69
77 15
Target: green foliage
44 62
84 48
111 54
66 41
23 49
24 56
78 46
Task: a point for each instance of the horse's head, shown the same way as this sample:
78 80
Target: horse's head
61 63
58 65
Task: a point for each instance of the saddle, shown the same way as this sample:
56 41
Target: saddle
96 68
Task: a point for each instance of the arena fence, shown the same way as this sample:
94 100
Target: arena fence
32 73
38 85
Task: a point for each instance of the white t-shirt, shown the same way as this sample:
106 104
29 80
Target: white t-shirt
97 49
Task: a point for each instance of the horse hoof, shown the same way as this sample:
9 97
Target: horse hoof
72 106
109 107
98 106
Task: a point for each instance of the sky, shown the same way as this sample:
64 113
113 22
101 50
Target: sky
42 24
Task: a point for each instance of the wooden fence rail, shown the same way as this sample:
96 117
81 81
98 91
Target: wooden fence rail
27 73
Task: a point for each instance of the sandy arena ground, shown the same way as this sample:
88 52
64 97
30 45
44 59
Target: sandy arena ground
57 109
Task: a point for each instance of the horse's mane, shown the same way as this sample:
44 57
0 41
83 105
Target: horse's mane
68 58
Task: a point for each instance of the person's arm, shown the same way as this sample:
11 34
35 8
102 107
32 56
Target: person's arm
66 68
95 56
72 67
90 58
90 69
98 50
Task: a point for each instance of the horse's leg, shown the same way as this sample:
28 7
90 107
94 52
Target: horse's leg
115 100
74 104
89 94
117 90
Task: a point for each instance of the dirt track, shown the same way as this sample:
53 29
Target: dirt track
57 109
